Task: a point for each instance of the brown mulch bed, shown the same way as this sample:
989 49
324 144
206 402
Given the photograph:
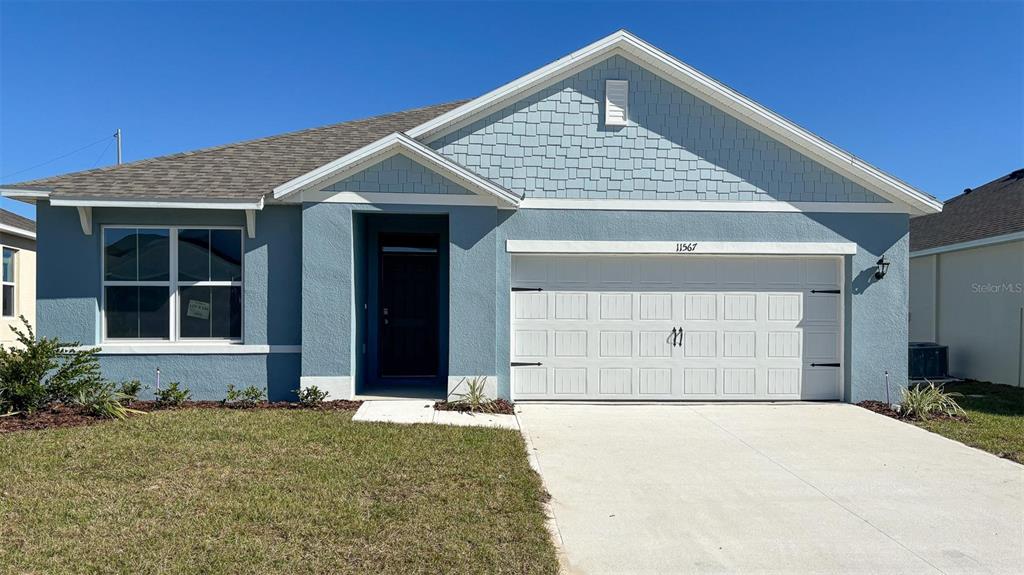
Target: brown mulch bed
56 416
880 407
498 406
335 405
884 408
73 416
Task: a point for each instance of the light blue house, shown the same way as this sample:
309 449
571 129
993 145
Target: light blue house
615 226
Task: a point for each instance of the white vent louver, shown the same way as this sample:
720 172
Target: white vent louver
616 102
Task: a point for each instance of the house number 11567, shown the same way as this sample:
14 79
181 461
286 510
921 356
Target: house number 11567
683 248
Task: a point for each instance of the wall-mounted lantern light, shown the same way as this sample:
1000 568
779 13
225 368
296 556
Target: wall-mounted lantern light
883 267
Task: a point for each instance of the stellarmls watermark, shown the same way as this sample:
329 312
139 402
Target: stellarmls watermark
992 288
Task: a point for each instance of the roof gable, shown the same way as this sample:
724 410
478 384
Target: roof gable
342 168
624 44
554 143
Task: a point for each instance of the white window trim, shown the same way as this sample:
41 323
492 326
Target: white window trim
13 284
174 332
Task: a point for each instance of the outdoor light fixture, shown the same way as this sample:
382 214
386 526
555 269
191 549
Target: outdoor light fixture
883 267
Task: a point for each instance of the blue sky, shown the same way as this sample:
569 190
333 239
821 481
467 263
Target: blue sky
930 92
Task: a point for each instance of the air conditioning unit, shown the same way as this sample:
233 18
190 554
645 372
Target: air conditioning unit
928 360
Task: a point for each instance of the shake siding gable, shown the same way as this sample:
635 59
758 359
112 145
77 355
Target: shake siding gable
555 144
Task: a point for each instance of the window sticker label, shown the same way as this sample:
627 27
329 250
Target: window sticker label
198 309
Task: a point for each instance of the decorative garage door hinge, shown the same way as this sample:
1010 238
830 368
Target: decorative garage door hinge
527 289
524 363
825 291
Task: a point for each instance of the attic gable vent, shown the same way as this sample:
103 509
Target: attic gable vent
616 102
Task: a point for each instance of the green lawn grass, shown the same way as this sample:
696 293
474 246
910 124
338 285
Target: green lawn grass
269 491
995 419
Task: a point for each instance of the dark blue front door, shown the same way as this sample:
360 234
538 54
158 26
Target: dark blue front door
408 308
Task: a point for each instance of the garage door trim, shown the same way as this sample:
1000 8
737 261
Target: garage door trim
682 247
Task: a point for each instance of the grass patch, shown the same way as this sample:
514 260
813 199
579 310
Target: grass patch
995 419
269 491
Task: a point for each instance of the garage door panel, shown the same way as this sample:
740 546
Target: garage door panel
654 381
783 344
739 307
615 344
700 307
530 305
616 306
784 307
700 381
745 328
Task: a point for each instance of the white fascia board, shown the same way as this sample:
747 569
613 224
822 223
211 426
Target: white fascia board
707 206
970 244
704 86
387 146
683 247
399 198
16 231
144 203
25 195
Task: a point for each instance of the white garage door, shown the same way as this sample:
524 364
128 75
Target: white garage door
676 327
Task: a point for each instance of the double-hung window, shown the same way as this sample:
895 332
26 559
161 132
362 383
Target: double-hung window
172 283
7 296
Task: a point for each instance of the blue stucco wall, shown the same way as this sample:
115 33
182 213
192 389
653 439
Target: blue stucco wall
397 174
554 144
876 311
328 328
69 285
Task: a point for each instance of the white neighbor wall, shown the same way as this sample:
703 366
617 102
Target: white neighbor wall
972 301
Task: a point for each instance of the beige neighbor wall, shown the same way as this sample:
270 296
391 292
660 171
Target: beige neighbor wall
973 301
24 285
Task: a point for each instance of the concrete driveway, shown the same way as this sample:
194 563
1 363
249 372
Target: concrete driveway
803 488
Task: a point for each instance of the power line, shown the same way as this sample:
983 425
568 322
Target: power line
103 153
52 160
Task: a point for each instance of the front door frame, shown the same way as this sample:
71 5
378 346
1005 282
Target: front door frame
371 226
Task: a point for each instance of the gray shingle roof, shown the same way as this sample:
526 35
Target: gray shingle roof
15 221
244 171
995 209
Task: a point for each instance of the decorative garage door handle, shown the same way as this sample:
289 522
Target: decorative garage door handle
525 363
824 365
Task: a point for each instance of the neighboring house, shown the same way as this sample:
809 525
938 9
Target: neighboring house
967 281
18 278
615 225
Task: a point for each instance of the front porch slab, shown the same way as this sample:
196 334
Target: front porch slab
420 411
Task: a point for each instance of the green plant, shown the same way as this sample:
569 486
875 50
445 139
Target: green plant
42 371
173 395
311 396
105 401
130 389
475 396
924 401
247 397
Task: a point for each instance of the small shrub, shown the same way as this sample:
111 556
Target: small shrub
173 395
247 397
311 396
475 396
130 389
105 401
924 401
44 371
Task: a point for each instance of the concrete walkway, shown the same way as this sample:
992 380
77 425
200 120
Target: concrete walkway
422 411
803 488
